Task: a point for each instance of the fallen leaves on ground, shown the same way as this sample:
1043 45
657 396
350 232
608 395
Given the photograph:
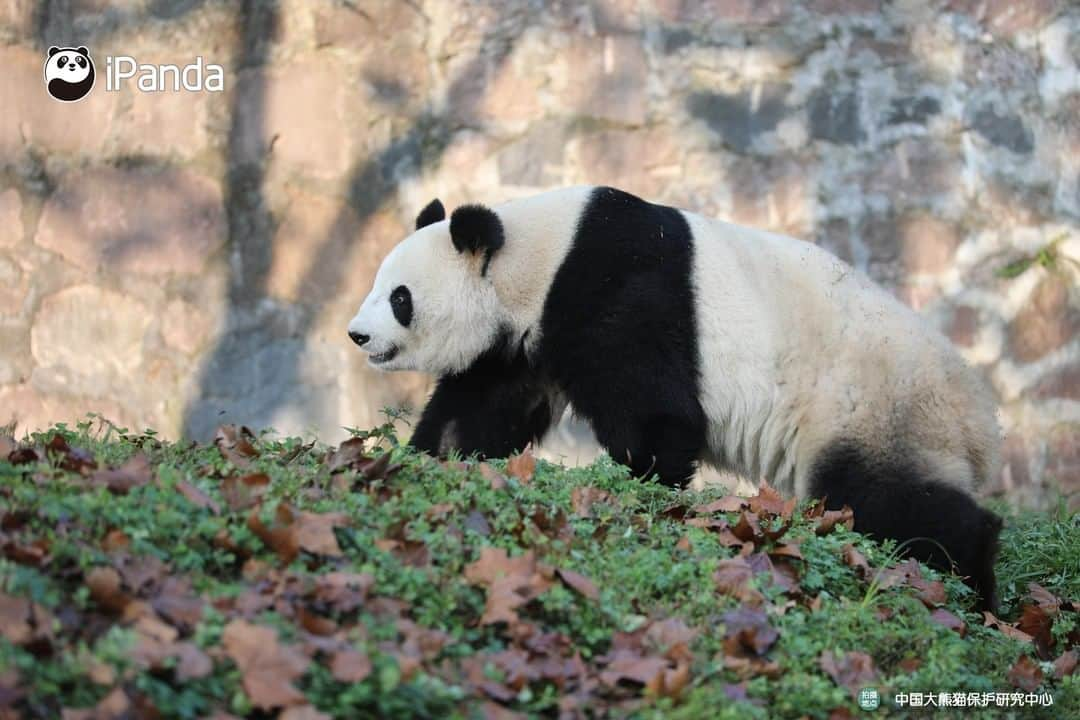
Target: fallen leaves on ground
269 592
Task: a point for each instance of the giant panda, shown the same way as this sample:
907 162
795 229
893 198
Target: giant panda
682 339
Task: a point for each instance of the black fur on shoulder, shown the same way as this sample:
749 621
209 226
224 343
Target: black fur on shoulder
892 499
474 229
619 334
432 213
493 409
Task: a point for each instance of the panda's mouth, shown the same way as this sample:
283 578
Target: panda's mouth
383 357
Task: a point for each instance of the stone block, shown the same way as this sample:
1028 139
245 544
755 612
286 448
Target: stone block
1063 457
927 243
16 19
1049 320
321 242
1008 17
640 161
963 326
164 123
11 224
1062 383
773 194
835 116
79 128
1006 130
732 12
844 7
90 332
297 114
14 287
185 327
537 159
738 118
142 220
912 172
606 78
34 410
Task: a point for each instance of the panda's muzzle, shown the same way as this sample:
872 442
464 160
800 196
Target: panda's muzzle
383 356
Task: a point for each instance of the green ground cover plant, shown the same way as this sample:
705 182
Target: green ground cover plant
265 577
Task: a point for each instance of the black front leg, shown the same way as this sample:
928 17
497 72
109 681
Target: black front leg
493 409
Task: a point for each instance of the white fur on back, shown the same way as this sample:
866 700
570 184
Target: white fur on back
798 350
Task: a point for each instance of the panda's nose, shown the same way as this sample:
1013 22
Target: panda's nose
359 338
71 66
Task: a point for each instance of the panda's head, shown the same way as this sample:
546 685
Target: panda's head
433 307
69 73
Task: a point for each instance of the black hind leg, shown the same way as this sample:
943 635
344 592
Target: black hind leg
895 501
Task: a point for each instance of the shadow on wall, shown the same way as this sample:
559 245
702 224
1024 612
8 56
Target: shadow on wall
257 367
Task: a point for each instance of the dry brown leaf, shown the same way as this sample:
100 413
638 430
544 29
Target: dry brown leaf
493 476
747 629
105 589
1025 674
1045 599
1065 665
314 623
115 540
990 620
236 444
350 666
1038 623
787 550
733 577
831 518
135 472
580 583
280 536
672 638
15 619
113 706
852 670
583 498
523 465
192 663
303 712
943 617
348 455
768 500
855 559
315 532
628 665
197 497
243 491
728 503
268 668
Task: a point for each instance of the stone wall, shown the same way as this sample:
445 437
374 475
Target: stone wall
176 260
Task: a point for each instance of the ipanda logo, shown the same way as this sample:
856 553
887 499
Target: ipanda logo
69 74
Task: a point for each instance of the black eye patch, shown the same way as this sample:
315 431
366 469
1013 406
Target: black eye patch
61 61
81 61
401 304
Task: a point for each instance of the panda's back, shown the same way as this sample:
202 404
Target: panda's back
799 351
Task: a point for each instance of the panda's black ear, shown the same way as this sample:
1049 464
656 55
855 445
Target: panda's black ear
82 50
475 229
53 50
434 212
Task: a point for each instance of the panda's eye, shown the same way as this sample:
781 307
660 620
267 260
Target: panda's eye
81 61
61 61
401 305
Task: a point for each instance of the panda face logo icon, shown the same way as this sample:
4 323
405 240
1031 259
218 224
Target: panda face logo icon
69 73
